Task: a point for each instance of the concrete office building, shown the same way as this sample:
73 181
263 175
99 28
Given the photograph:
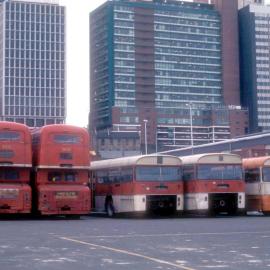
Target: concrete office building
254 28
32 62
163 75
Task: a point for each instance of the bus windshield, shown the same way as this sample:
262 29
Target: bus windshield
266 174
219 172
158 173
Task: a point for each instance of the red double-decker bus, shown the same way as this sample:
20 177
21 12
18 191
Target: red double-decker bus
61 159
213 183
138 184
15 167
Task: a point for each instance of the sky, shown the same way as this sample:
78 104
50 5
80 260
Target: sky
78 58
77 29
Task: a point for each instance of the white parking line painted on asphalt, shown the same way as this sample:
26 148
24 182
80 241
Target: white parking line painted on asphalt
126 252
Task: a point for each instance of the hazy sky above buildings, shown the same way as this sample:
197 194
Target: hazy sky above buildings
78 58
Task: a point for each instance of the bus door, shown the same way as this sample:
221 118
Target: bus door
115 188
265 188
92 186
254 190
126 181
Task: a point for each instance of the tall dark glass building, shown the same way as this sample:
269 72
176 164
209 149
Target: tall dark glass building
157 75
32 62
254 28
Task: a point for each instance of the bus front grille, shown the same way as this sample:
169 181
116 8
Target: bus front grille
223 202
161 202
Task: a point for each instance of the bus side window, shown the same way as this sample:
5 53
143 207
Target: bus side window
126 175
54 177
252 175
188 172
70 177
106 179
114 176
7 174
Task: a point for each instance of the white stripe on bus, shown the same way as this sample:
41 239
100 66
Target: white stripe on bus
132 203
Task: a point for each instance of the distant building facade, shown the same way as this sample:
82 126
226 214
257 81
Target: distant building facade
165 71
243 3
254 28
32 62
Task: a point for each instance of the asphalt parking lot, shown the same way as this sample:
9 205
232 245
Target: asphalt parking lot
136 243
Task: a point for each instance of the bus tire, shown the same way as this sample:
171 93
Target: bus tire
110 209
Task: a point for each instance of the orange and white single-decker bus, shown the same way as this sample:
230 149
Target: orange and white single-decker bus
61 160
149 183
213 183
15 168
257 177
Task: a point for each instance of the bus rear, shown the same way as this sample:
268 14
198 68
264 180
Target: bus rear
62 170
213 183
15 166
138 184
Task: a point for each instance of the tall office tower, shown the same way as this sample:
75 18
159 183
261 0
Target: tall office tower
157 78
254 28
32 62
228 11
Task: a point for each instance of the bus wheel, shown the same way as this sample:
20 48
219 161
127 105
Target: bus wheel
110 209
266 213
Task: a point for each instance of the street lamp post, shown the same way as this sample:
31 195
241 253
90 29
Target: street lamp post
145 134
191 125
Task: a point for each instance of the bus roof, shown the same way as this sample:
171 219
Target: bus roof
14 126
256 162
59 127
137 160
212 158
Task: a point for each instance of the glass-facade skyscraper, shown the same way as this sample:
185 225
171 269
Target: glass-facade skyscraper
32 62
159 61
254 28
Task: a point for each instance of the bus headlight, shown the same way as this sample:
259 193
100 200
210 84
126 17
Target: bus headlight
178 201
27 197
239 198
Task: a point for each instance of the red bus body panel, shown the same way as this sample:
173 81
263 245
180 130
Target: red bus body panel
15 198
63 199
